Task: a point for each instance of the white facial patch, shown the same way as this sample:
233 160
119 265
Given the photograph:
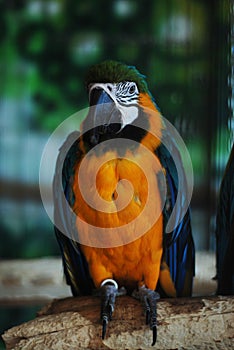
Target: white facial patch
128 114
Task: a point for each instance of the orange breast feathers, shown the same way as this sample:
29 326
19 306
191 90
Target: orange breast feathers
118 206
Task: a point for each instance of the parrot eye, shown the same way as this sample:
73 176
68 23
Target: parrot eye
132 89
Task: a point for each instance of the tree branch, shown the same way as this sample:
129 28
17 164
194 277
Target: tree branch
74 323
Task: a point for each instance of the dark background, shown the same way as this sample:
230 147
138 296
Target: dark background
182 46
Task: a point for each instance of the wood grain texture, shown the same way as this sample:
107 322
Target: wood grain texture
73 323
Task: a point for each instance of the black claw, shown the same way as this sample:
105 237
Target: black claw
108 293
104 324
154 335
147 316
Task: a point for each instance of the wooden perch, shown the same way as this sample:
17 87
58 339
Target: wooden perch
73 323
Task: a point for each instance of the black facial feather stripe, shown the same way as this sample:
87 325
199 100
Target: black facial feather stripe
127 92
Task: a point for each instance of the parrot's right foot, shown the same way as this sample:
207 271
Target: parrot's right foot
148 298
109 289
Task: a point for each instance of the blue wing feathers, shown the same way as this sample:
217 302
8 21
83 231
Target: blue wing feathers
178 244
74 263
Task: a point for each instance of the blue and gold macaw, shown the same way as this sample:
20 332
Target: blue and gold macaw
225 231
155 262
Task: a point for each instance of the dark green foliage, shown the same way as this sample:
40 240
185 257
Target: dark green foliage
46 49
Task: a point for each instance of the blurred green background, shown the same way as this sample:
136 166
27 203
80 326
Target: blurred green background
184 47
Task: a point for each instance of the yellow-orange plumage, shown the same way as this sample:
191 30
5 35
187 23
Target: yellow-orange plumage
138 262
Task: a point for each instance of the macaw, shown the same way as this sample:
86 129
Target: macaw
225 231
156 263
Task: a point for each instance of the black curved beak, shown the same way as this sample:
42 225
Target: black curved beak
104 114
102 105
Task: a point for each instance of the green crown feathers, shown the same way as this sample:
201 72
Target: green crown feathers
115 72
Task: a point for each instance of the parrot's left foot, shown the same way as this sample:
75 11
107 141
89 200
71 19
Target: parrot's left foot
109 289
149 298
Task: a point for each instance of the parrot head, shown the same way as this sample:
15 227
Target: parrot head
117 94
